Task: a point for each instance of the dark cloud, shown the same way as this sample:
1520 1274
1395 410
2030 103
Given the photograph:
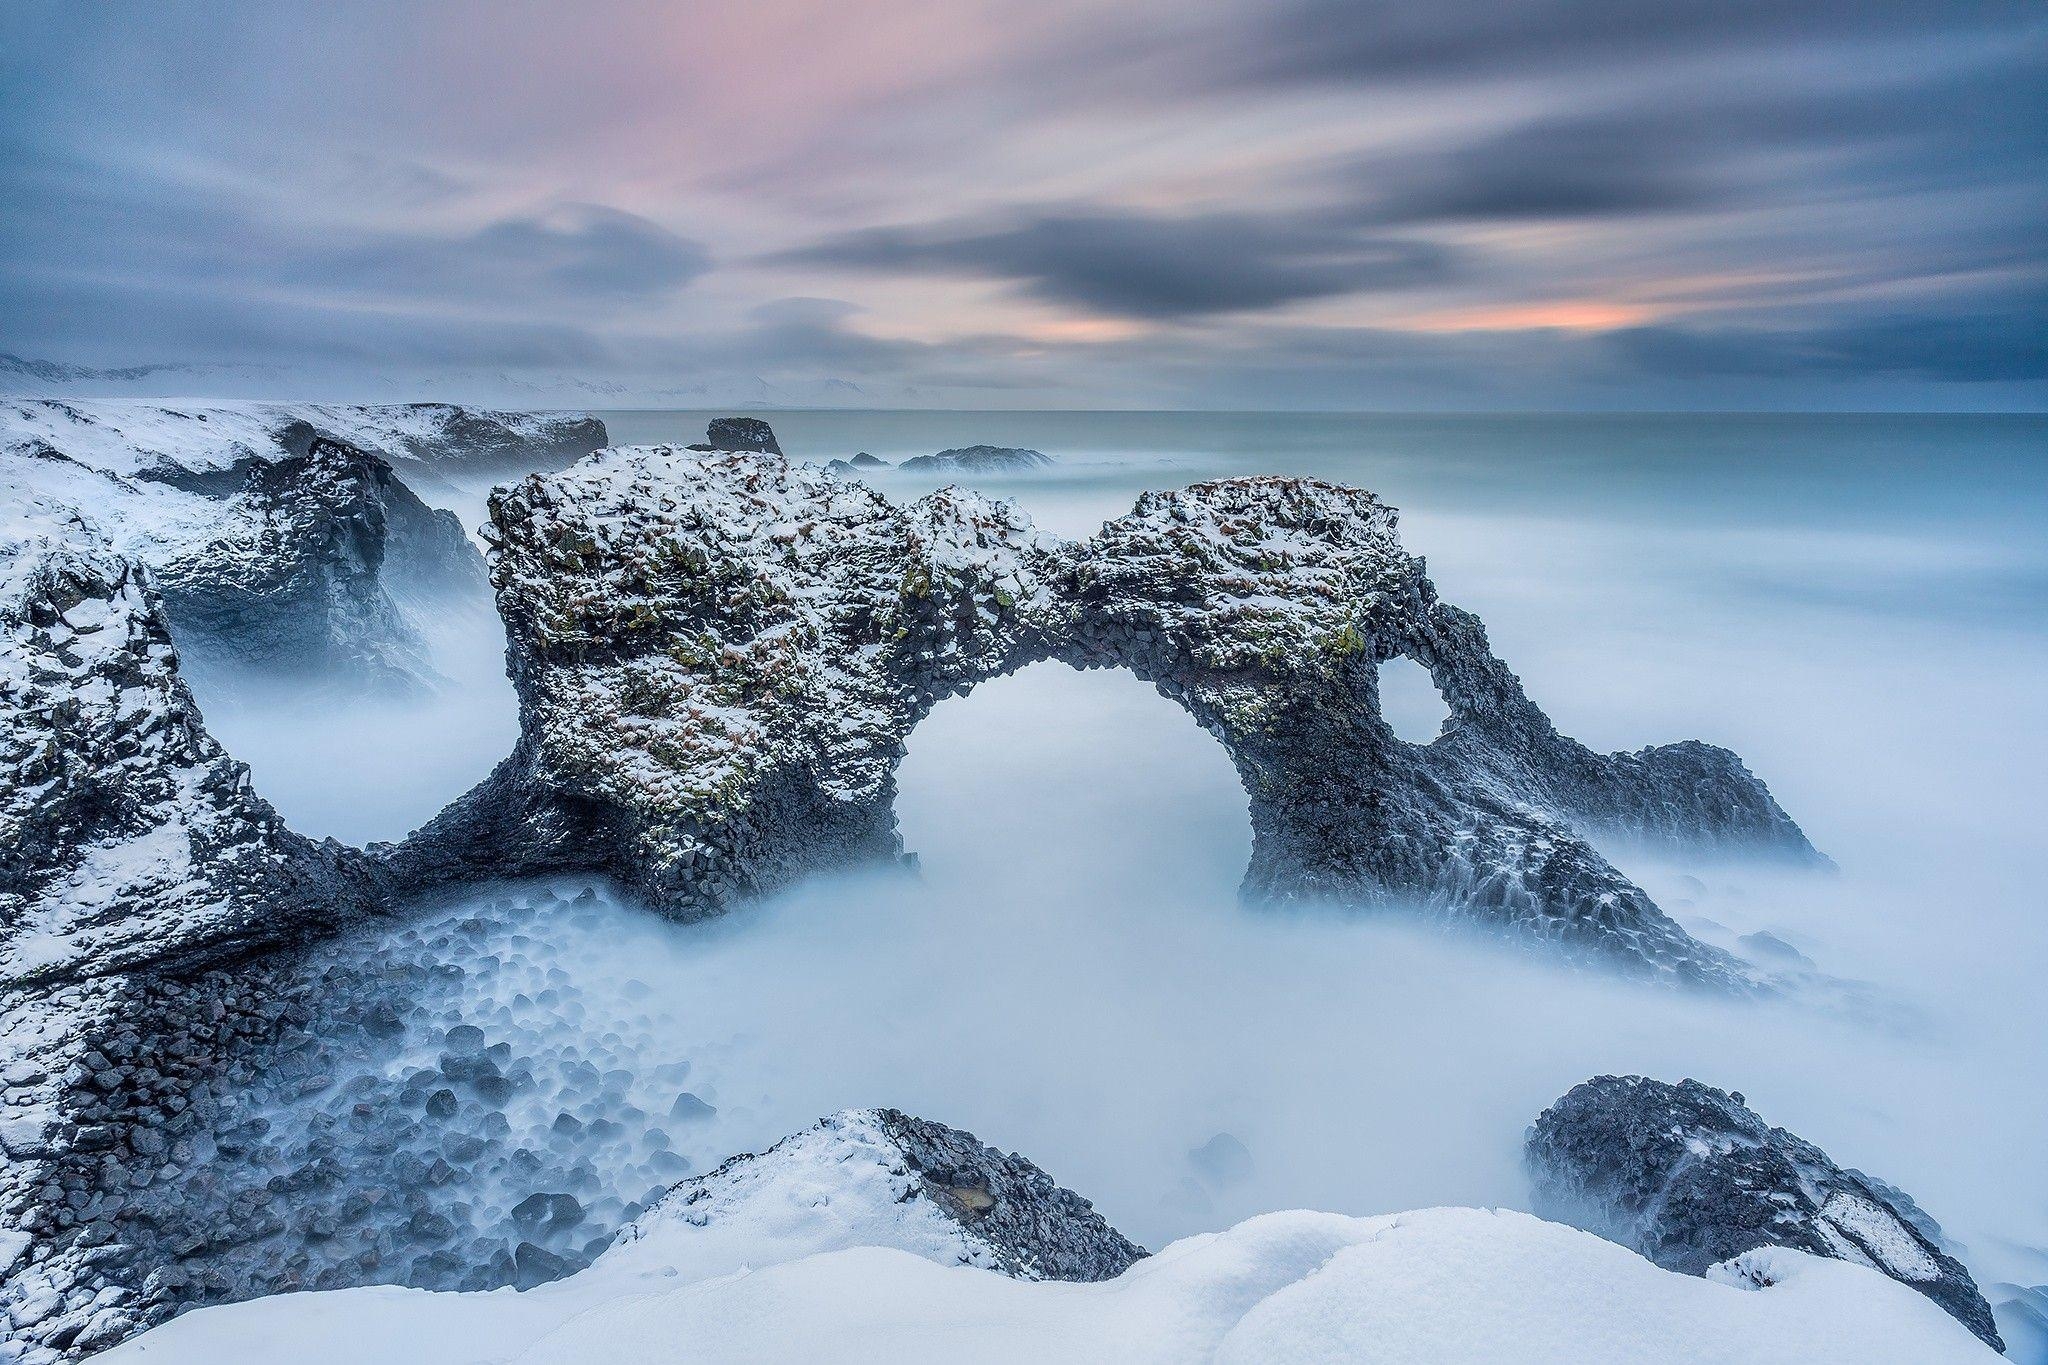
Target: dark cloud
1149 265
1716 144
1348 41
1551 169
573 251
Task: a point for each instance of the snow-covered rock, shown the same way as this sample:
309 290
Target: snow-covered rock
1690 1176
719 657
127 835
1449 1286
880 1177
978 460
280 536
131 849
134 438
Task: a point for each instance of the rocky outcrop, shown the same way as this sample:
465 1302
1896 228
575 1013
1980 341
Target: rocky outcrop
978 460
719 657
1690 1177
281 537
127 835
742 433
304 571
132 851
892 1179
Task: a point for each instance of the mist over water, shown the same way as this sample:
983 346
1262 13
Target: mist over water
1853 604
362 768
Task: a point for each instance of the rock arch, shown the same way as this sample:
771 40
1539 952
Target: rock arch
719 656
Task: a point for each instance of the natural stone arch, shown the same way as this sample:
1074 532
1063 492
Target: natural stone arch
719 657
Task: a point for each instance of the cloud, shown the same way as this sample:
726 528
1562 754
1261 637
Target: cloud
1142 265
1802 197
1579 168
572 251
1349 41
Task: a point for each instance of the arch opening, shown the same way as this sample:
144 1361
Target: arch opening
1410 703
1058 781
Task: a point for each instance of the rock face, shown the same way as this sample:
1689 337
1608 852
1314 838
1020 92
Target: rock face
979 460
280 537
126 834
1690 1177
742 433
880 1177
719 657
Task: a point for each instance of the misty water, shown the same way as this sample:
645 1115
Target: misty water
1853 604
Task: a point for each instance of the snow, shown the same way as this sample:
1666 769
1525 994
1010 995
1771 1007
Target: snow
1449 1286
1881 1233
103 449
123 438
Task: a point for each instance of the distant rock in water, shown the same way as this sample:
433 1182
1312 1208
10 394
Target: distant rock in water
1690 1177
980 460
855 467
904 1182
742 433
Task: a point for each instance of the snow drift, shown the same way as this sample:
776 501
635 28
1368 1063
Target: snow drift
822 1250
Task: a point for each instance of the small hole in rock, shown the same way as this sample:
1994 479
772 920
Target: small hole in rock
1410 702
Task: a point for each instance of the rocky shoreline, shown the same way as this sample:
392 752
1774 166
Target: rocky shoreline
718 657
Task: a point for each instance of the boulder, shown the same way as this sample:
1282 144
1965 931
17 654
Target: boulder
1691 1177
742 433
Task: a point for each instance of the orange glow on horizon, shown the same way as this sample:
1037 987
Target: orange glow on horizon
1565 315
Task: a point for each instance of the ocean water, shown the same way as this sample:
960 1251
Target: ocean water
1854 604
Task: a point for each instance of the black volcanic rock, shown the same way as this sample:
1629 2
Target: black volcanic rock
127 835
132 853
979 460
780 630
742 433
1690 1177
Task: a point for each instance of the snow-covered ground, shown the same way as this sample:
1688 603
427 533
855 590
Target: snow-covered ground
125 437
1449 1286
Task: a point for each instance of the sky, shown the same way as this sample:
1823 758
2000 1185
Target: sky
1320 204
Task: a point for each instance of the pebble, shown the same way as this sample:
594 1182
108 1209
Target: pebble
438 1106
